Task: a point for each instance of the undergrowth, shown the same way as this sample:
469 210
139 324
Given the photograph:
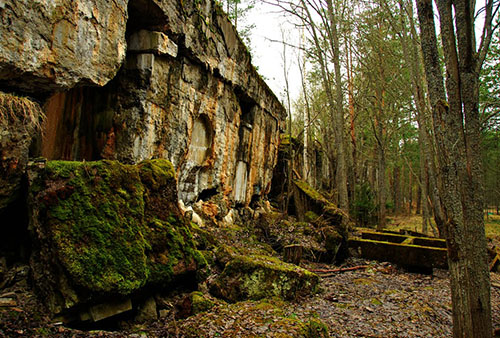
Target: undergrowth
15 108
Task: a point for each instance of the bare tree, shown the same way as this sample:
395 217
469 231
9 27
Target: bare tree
321 21
457 126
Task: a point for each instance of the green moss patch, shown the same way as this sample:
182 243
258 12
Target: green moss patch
112 228
257 277
311 192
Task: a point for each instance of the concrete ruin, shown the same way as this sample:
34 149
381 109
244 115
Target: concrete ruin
143 79
408 251
124 84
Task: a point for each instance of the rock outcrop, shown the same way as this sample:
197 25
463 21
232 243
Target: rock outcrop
140 104
106 229
50 45
146 79
187 92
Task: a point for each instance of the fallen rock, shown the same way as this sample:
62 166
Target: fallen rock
147 310
106 310
105 228
257 277
308 199
193 304
320 242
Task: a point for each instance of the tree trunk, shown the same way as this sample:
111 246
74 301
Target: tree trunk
459 161
341 177
335 105
350 91
306 168
410 192
418 207
396 187
382 190
291 165
428 173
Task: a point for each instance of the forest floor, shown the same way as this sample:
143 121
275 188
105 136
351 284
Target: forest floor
414 223
378 301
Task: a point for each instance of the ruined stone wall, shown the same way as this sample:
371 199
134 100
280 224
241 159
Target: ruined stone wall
184 89
58 44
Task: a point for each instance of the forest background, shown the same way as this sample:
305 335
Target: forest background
398 113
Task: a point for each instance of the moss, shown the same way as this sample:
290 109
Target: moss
363 281
257 277
224 254
311 192
97 235
209 257
311 216
316 328
200 303
332 240
156 173
202 237
100 217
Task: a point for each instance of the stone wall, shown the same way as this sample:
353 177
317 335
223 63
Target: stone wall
58 44
186 91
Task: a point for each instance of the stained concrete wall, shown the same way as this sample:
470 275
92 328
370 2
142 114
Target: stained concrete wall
186 92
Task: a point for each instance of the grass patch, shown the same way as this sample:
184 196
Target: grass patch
492 226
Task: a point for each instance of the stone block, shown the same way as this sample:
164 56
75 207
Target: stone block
146 41
58 44
110 309
105 228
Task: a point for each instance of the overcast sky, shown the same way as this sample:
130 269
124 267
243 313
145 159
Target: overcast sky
267 55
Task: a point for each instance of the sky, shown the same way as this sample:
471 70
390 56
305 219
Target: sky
267 55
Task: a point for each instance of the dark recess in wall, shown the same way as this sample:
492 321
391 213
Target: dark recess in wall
206 194
15 244
145 14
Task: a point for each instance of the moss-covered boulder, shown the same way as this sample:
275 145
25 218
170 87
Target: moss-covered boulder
194 303
103 228
264 318
257 277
